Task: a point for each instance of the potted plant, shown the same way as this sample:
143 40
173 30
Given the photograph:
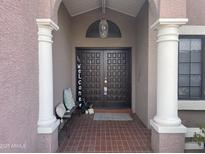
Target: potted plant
200 137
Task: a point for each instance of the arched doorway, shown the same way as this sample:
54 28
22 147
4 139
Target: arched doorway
55 18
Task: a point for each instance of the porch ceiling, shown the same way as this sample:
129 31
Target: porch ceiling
128 7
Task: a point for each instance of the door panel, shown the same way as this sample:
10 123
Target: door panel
92 70
117 73
106 77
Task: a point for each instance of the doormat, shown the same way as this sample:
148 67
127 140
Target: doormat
112 117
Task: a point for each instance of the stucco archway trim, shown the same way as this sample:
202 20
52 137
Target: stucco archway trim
169 21
54 10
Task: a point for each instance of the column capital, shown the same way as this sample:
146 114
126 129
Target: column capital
47 23
168 22
45 28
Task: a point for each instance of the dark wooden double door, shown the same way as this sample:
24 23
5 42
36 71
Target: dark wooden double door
106 76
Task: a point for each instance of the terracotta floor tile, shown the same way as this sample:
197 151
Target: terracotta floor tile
87 135
97 149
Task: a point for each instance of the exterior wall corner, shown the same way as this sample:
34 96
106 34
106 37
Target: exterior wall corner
173 9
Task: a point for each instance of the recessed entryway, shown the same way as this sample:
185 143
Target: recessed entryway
104 77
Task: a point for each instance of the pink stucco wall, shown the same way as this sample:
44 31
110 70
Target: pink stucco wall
48 9
196 12
167 142
172 8
45 8
18 76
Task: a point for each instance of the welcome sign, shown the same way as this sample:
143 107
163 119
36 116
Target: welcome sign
79 80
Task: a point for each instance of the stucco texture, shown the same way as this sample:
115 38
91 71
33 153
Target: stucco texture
62 55
18 76
172 9
196 12
167 143
48 9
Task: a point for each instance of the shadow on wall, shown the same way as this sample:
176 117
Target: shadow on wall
62 55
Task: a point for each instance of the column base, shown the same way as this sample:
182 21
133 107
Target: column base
48 143
167 122
48 129
168 129
167 139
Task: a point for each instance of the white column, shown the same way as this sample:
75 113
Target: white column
167 74
47 122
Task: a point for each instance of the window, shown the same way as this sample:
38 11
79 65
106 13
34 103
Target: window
190 79
113 30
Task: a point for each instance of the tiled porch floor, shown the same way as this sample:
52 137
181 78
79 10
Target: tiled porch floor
87 135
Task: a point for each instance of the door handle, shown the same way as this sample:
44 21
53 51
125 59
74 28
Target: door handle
105 90
105 81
